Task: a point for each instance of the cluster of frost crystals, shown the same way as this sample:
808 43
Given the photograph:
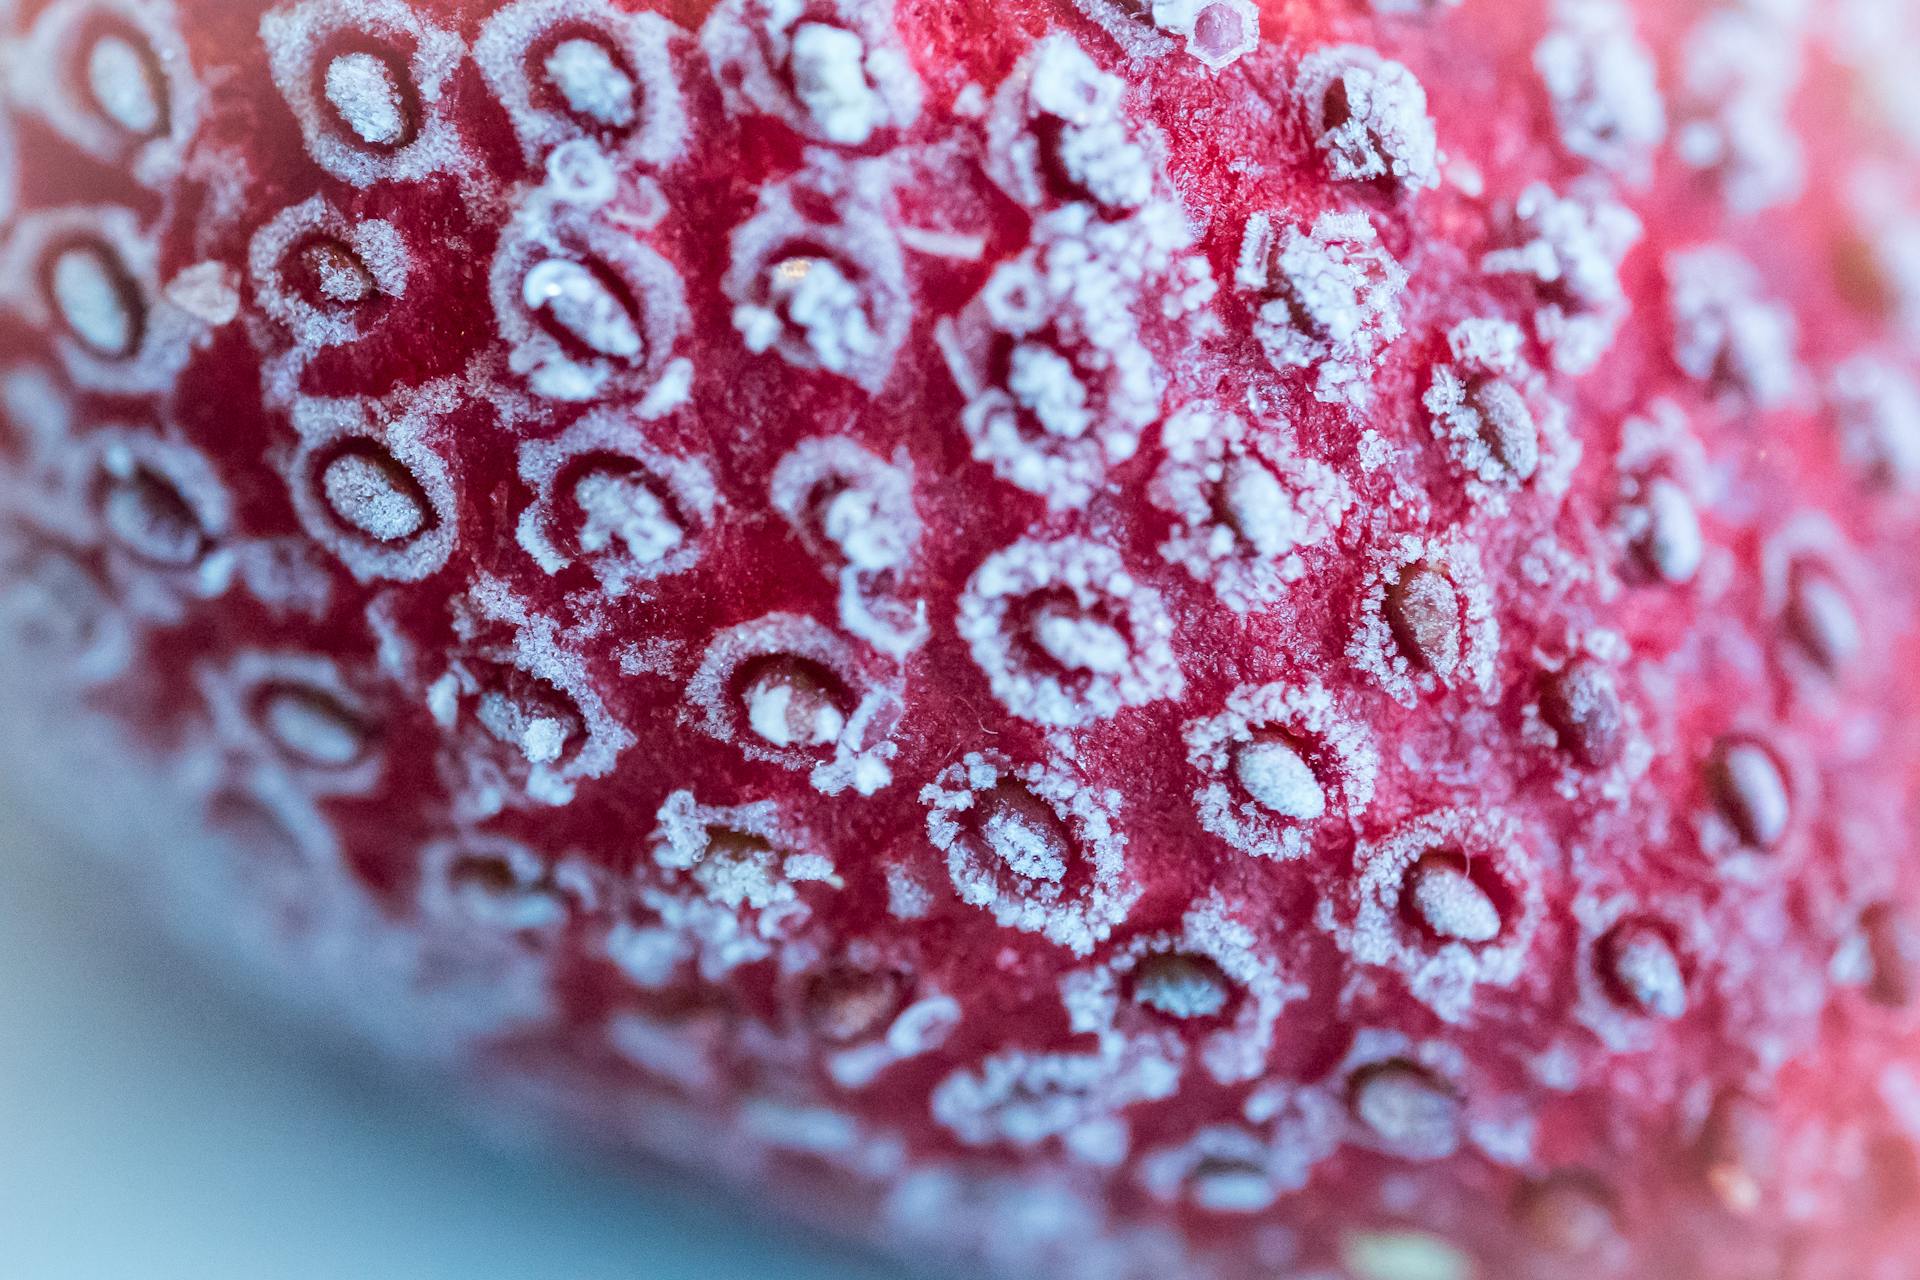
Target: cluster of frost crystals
786 689
1275 763
1739 73
1437 941
318 274
1573 246
523 723
823 292
1377 651
370 484
1065 634
378 110
1329 299
731 891
113 78
88 275
1208 982
834 70
1057 132
569 333
296 712
608 497
1034 845
1602 80
1876 408
1494 415
1725 334
1246 505
1023 1098
573 70
854 512
1368 115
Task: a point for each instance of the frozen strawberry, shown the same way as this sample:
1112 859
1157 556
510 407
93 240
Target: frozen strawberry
1086 638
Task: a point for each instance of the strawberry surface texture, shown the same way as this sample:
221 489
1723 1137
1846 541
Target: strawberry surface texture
1082 638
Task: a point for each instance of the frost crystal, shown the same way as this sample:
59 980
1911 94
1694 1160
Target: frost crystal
1329 299
1369 116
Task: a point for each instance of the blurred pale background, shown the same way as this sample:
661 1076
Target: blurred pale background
155 1126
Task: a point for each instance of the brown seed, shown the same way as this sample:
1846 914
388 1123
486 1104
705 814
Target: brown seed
1423 608
1640 970
1893 950
1507 427
1750 792
1669 544
1735 1151
843 1002
1821 619
1581 705
1569 1212
1407 1105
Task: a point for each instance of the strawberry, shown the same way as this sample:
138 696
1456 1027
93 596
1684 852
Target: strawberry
1094 639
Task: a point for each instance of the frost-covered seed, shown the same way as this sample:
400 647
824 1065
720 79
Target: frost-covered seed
1223 1184
1581 705
1254 504
1180 985
842 1003
1507 427
492 890
121 77
830 80
1403 1255
1893 954
312 726
1569 1213
791 703
1821 618
1670 544
1448 903
366 93
1423 608
1736 1151
1405 1104
1640 970
621 506
148 516
584 309
338 274
536 721
592 82
1023 833
1079 642
1750 792
96 300
374 495
1279 779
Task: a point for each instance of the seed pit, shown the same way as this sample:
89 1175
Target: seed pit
1581 704
369 492
588 80
842 1003
125 83
529 715
1507 426
148 515
1893 952
1423 609
1640 969
1821 619
495 889
1570 1212
1406 1105
1181 985
1749 791
1277 774
1021 832
335 274
1735 1151
585 308
616 504
1668 544
96 298
1452 899
311 726
373 97
789 701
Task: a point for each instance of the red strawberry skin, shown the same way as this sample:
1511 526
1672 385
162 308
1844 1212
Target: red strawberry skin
1086 639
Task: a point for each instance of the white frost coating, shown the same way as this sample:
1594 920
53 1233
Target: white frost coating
1034 846
297 713
1247 506
1025 1098
854 513
568 333
1725 333
57 614
1338 754
320 274
1376 651
1059 386
367 117
89 276
1329 300
835 71
370 485
828 295
113 78
636 512
162 515
484 886
1114 1003
799 651
1603 84
1494 415
1739 72
1368 116
523 721
1573 246
1019 616
1445 960
1876 409
1057 122
609 80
